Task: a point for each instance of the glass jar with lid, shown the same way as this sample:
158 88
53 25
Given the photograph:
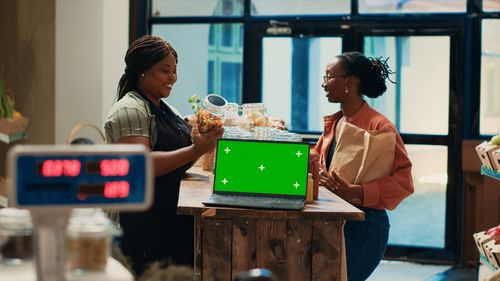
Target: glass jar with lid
232 116
211 113
88 240
254 115
262 119
16 243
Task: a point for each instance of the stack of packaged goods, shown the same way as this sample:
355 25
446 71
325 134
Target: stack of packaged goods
489 154
488 245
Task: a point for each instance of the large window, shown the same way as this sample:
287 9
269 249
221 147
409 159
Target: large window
292 71
300 7
412 6
196 8
420 220
490 82
491 5
422 81
205 65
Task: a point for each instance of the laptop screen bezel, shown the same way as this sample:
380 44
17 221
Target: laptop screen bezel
254 193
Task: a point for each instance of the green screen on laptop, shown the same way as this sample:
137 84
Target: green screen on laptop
262 167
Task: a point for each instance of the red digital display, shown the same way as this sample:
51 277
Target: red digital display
61 168
114 167
116 189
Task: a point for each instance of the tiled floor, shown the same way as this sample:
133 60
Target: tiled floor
407 271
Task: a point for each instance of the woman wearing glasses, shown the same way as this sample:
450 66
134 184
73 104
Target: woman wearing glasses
140 116
350 77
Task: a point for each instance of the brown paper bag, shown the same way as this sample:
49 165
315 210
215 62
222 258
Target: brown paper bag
361 156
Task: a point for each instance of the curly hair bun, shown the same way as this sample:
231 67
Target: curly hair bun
372 72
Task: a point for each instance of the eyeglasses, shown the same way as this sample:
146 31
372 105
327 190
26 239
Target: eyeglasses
328 77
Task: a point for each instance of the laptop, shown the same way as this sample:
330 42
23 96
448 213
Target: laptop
260 174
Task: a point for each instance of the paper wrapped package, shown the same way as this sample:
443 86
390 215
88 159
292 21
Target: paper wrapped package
491 250
485 153
496 160
362 156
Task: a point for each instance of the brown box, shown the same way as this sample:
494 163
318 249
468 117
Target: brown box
496 253
496 160
481 238
485 152
491 250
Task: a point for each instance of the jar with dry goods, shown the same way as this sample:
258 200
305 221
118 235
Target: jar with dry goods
211 113
16 228
88 240
254 115
232 116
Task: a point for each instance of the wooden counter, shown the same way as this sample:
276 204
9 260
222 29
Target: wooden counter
294 245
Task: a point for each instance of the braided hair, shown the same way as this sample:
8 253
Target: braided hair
371 72
142 55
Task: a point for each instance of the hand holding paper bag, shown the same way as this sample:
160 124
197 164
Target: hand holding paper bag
362 156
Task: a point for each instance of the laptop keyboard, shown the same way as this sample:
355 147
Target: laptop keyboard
257 201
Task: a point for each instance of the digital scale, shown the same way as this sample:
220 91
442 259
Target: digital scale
51 180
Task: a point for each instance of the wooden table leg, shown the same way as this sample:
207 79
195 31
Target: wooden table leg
327 250
216 249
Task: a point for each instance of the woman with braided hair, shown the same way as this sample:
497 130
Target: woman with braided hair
350 77
140 116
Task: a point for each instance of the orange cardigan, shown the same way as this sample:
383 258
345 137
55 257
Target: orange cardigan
386 192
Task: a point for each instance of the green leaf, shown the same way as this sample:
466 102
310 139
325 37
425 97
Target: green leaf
194 100
6 102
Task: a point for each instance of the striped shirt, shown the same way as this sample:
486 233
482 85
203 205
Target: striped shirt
131 117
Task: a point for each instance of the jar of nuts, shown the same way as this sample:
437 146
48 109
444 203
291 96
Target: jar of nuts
211 113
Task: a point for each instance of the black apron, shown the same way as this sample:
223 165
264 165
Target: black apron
159 234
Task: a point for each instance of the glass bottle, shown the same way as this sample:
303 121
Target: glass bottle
310 188
16 243
211 113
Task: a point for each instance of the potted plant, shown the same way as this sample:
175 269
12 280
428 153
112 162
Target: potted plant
12 123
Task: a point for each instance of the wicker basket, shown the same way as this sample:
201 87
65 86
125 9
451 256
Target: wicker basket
11 126
78 127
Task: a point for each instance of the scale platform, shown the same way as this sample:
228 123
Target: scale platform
26 271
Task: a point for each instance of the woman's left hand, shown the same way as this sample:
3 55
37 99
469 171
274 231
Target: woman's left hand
332 181
353 193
